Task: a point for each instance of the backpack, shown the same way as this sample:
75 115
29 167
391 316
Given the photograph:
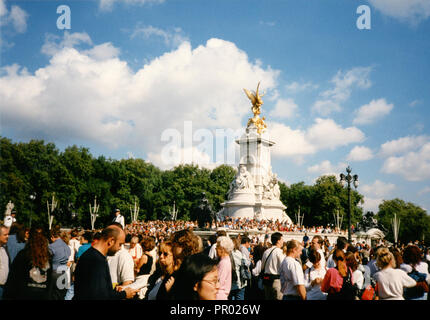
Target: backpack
348 290
244 273
421 287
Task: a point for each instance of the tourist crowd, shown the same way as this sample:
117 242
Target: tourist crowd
167 260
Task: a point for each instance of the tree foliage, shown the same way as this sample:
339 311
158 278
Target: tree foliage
414 221
76 177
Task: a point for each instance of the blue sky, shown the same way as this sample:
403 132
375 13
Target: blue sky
129 73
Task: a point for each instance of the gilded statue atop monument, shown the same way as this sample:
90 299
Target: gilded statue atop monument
257 102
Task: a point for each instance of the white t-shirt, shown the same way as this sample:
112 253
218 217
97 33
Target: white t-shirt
121 266
358 277
291 276
314 292
391 283
273 264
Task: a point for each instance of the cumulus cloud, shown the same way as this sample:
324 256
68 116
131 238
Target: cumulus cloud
93 95
323 134
107 5
424 191
375 193
373 111
360 153
377 189
284 108
413 166
412 11
170 38
343 83
327 168
402 145
295 86
15 17
327 134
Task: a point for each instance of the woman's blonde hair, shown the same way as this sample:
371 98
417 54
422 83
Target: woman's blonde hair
383 257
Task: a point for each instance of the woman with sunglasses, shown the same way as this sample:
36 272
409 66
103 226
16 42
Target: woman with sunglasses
338 282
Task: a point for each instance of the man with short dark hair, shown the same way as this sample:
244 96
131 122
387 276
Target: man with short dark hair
92 276
4 258
271 267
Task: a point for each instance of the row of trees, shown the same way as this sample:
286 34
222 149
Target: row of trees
77 177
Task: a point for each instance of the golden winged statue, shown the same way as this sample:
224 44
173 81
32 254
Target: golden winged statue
257 102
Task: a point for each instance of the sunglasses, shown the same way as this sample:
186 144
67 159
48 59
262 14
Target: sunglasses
165 254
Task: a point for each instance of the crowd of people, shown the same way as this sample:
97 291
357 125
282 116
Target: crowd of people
167 260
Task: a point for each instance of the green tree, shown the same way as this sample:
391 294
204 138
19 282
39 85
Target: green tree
414 221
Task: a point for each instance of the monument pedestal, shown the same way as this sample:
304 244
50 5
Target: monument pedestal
254 193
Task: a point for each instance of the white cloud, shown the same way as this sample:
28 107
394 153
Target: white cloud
424 191
378 189
403 145
107 5
413 166
16 17
295 86
359 153
19 19
415 102
91 94
182 156
326 168
375 193
323 134
289 142
343 82
54 44
373 111
284 108
371 204
413 11
3 9
327 134
170 38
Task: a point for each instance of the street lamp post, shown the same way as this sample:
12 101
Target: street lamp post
348 179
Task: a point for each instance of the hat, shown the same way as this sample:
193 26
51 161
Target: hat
117 210
13 212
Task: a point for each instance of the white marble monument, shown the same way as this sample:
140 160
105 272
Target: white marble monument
254 193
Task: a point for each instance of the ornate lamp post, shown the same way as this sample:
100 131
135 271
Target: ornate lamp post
348 179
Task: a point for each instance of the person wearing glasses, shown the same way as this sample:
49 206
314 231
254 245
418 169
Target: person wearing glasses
197 278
